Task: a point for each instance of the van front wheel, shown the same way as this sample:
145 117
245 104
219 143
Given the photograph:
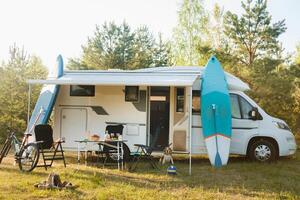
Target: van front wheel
262 151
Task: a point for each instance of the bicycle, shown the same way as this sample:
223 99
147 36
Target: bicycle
26 153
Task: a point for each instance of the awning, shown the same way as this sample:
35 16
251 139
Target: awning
121 79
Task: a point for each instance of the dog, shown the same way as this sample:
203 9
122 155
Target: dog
167 156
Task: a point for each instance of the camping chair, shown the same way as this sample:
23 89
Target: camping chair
49 149
144 152
109 151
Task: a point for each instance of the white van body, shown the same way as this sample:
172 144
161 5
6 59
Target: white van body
165 102
245 130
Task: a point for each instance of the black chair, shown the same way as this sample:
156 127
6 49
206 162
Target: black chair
49 149
144 152
114 129
110 152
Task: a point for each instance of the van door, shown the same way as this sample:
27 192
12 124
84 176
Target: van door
73 126
159 117
242 125
198 143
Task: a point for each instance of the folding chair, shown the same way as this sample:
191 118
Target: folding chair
49 149
114 129
143 153
109 151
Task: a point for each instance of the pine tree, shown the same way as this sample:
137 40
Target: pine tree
253 34
162 53
14 89
118 47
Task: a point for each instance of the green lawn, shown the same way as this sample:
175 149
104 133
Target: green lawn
241 179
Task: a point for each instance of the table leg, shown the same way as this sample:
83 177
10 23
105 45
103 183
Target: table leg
78 155
122 156
86 154
118 151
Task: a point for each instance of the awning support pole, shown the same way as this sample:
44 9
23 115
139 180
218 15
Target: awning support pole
190 129
28 106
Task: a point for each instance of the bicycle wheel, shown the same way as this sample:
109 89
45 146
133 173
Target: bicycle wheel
28 157
5 149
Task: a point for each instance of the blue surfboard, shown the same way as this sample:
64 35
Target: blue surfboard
216 113
44 105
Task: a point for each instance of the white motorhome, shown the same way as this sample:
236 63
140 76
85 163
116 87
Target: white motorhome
161 106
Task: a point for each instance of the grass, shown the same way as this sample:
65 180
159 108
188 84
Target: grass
241 179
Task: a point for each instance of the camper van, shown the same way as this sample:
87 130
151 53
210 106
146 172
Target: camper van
160 107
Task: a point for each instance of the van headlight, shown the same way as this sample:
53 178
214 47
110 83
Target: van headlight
281 125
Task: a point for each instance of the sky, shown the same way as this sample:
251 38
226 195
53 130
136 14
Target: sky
47 28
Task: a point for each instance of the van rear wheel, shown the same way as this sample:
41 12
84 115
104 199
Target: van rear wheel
262 151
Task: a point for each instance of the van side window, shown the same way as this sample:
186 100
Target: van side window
235 106
179 99
246 108
132 93
82 90
196 102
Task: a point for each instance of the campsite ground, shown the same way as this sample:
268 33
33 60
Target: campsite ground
241 179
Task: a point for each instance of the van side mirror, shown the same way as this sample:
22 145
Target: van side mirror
254 114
